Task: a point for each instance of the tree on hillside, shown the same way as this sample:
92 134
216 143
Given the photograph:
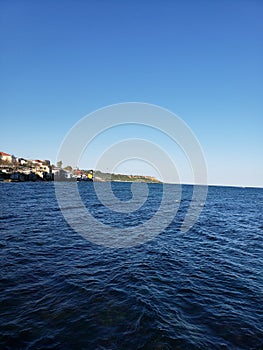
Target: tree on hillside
14 161
59 164
68 168
29 164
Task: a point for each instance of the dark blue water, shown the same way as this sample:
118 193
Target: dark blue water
197 290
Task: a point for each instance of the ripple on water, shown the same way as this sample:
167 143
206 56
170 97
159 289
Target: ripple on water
199 290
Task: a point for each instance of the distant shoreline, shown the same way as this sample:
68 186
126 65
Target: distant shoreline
97 176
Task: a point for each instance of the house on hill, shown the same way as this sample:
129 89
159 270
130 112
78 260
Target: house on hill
22 161
5 157
42 165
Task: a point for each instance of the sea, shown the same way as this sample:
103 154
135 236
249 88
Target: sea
200 289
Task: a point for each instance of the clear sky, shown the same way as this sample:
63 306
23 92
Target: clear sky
203 60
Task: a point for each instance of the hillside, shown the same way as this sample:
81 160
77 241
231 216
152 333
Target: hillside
100 176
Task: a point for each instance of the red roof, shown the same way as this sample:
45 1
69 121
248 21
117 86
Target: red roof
5 154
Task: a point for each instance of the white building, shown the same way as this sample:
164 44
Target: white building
6 157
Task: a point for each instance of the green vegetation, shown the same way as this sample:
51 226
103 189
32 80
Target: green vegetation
100 176
68 168
59 164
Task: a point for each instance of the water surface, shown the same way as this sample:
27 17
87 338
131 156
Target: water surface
197 290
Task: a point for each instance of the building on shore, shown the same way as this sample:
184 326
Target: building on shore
21 169
5 157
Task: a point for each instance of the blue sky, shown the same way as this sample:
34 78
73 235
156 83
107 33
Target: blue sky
61 60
